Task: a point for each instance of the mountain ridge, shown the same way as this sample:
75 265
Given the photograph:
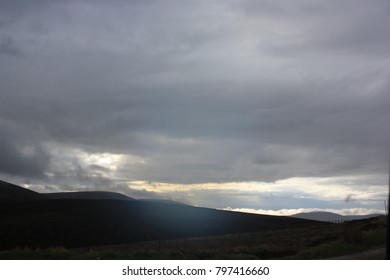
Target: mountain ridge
13 193
94 222
325 216
88 195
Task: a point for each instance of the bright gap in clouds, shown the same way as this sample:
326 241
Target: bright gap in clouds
284 197
110 172
289 212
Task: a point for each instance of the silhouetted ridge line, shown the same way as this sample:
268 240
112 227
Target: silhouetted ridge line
88 195
13 193
331 217
78 222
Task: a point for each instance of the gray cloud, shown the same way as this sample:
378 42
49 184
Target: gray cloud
204 91
8 46
329 28
27 161
349 198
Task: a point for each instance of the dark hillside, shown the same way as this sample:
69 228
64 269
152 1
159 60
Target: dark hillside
332 217
88 195
12 193
80 223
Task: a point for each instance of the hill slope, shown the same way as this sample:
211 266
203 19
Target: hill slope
88 195
331 217
91 222
80 223
13 193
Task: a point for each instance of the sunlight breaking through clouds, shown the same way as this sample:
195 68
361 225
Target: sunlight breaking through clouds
302 192
289 212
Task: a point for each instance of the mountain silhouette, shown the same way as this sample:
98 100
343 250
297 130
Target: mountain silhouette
75 222
88 195
331 217
13 193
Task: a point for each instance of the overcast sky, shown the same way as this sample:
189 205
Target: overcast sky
242 104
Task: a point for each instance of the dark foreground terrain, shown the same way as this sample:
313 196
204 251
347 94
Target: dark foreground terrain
35 226
29 219
364 240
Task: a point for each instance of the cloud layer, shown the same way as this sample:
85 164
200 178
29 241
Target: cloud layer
191 92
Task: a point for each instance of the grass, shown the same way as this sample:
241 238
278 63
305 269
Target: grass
366 241
318 242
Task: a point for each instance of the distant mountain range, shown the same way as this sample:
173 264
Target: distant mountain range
332 217
82 219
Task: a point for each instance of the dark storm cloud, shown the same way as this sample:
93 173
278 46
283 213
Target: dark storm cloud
200 91
26 161
8 46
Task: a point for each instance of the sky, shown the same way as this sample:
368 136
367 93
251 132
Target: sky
265 106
